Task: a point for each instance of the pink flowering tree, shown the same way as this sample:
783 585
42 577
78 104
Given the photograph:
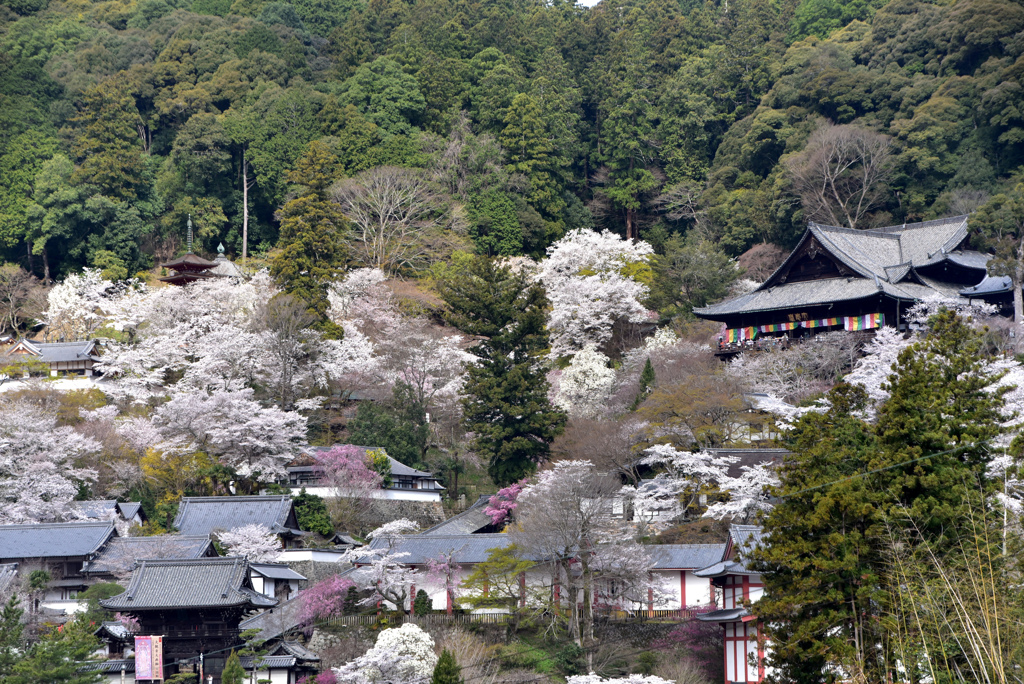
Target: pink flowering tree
703 641
129 622
444 572
325 599
325 677
347 471
502 506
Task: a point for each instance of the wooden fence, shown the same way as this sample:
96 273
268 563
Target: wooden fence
395 619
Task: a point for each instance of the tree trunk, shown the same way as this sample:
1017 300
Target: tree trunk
46 268
1018 303
28 251
245 207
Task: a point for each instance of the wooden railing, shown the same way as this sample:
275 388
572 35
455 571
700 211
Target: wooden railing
499 618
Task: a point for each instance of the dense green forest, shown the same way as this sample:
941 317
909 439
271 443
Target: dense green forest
672 120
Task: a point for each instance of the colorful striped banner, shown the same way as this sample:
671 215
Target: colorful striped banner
865 322
777 327
733 335
819 323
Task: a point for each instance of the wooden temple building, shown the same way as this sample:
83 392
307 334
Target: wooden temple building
843 279
196 605
190 267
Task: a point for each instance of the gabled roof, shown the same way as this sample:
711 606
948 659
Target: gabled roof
112 629
106 509
202 515
280 620
122 552
201 583
467 548
275 571
685 556
54 540
473 520
397 468
874 261
58 352
741 539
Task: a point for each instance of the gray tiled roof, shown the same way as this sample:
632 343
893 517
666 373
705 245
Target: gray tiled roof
106 508
685 556
124 551
885 260
204 582
469 521
54 540
8 572
62 352
726 615
115 629
293 648
280 620
468 548
275 571
206 514
990 285
114 666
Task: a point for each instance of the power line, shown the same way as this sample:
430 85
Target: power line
879 470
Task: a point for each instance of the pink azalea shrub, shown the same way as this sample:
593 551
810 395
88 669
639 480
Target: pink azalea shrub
502 505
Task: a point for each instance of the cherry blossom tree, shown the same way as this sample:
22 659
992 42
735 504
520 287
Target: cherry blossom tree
402 655
502 506
443 572
565 519
325 599
875 366
593 280
380 569
75 305
257 543
749 494
585 385
344 469
631 679
685 477
256 442
39 475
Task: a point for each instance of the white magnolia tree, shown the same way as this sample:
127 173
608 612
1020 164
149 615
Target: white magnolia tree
402 655
591 282
38 472
257 543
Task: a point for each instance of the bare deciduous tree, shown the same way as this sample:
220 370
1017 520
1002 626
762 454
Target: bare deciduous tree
841 173
395 212
21 297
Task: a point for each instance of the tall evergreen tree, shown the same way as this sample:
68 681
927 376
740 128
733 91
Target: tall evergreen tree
506 397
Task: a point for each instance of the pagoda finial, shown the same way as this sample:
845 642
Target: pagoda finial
190 233
220 248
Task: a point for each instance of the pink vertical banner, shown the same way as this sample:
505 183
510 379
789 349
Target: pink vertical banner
143 657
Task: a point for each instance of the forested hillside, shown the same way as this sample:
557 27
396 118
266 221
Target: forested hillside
519 120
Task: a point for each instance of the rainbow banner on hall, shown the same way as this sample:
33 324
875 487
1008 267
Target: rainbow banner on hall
777 327
733 335
865 322
819 323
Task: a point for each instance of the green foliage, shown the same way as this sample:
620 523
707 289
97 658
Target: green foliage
233 672
646 662
422 605
691 272
399 426
494 224
95 613
506 397
447 670
11 630
380 464
58 657
569 660
311 513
